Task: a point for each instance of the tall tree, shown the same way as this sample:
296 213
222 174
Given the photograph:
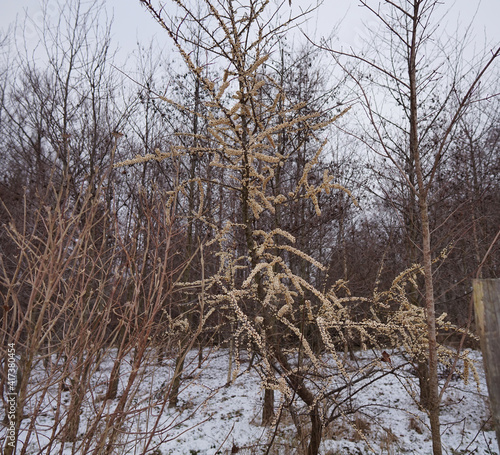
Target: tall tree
407 71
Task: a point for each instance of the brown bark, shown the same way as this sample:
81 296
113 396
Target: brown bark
430 314
114 380
176 381
296 382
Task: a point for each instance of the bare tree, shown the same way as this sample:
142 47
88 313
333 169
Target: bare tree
431 100
62 113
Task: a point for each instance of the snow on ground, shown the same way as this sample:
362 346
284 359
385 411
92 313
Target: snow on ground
212 417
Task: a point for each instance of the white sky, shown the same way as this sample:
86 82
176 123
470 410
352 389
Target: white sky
132 21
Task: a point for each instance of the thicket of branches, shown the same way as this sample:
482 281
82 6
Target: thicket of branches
237 208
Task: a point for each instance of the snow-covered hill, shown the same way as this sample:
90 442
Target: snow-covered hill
212 418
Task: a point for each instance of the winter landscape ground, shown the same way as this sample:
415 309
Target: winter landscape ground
214 418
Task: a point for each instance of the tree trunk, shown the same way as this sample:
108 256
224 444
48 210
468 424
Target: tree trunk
230 356
430 315
176 381
316 431
422 194
114 379
268 407
423 382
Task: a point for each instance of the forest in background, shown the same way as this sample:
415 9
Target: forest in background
289 201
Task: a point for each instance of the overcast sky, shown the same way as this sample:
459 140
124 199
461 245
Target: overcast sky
132 21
